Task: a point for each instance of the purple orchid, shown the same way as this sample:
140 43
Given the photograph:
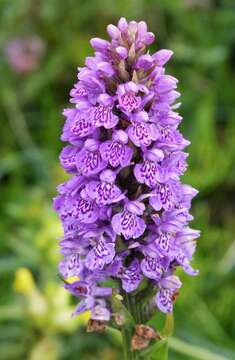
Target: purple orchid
142 132
149 171
165 296
89 160
128 222
131 276
77 126
128 98
125 212
102 114
116 151
104 191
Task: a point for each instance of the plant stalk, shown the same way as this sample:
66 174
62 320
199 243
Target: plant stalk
140 312
134 308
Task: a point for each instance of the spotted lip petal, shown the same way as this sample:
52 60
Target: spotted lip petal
128 97
102 115
164 301
147 173
90 162
116 153
131 276
128 224
71 265
104 192
151 268
100 255
68 158
77 126
142 134
165 196
85 210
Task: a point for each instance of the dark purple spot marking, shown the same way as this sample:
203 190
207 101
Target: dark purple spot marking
129 101
128 220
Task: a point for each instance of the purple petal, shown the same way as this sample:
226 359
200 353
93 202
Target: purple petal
104 193
84 305
68 158
184 262
101 254
70 266
142 134
164 301
162 56
99 44
90 162
146 173
78 288
151 268
100 313
116 153
163 197
113 31
171 282
128 224
163 243
103 116
122 52
131 277
85 211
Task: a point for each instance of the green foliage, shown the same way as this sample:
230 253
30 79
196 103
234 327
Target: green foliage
201 33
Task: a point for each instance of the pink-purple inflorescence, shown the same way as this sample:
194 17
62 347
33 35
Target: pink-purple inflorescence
124 211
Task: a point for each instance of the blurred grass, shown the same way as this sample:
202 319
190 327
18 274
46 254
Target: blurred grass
202 35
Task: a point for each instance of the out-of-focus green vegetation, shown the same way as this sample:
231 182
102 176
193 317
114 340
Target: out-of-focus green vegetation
35 311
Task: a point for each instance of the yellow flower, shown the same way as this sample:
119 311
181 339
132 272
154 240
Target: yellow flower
72 279
24 282
84 317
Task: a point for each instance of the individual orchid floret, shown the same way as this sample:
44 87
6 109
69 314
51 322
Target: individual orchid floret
102 114
131 276
84 289
142 133
77 126
128 98
104 191
68 158
89 160
78 93
84 208
71 265
99 312
149 171
100 255
169 286
165 195
128 222
116 151
153 265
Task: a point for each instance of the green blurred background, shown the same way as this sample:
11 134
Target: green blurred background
35 311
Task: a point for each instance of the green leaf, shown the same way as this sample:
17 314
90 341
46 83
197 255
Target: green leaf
169 325
119 307
158 351
199 353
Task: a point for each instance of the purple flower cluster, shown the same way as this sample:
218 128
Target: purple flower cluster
24 54
124 211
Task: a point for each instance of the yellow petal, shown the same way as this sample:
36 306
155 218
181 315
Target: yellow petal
24 282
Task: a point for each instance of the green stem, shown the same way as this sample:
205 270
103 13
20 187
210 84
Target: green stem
127 332
138 312
126 338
